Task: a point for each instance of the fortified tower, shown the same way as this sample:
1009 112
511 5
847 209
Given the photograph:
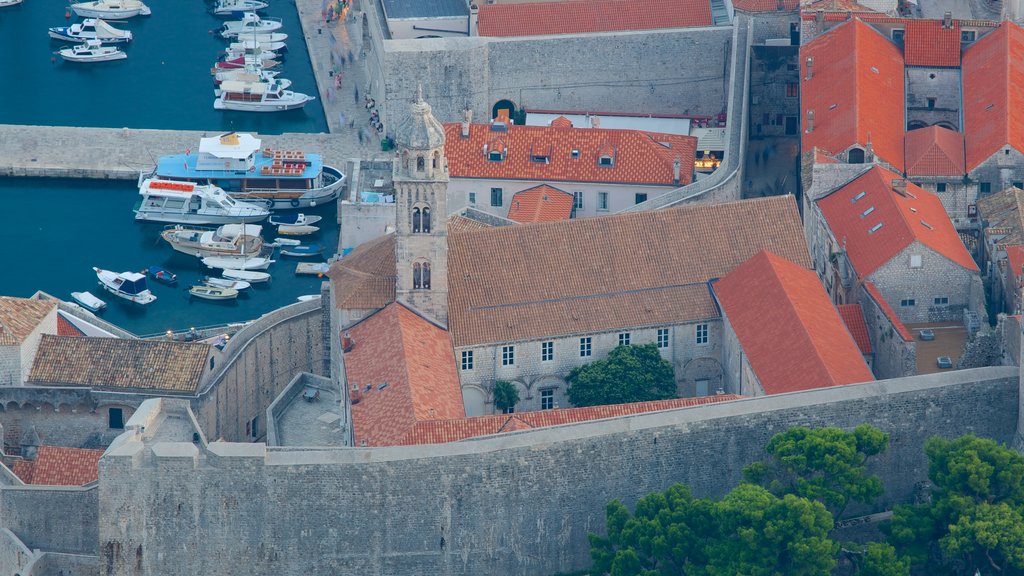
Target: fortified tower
421 195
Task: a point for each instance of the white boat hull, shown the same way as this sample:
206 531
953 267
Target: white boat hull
195 218
104 57
107 281
276 106
110 14
251 276
88 301
6 3
213 293
254 263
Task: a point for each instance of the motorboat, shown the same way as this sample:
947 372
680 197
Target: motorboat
162 275
302 251
243 62
247 43
312 268
91 51
227 240
111 9
250 24
252 276
128 285
301 230
88 301
263 55
238 262
236 7
296 219
226 283
213 292
308 297
286 242
91 29
259 97
249 73
266 37
6 3
246 77
191 203
248 171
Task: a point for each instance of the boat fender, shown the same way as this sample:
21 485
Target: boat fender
295 203
252 168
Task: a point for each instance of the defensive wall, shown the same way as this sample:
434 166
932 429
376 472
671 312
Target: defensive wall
518 503
51 518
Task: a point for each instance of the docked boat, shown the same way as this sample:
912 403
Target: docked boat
265 37
252 276
226 283
111 9
302 230
286 242
308 297
259 97
191 203
91 51
248 44
243 62
253 73
263 54
238 262
6 3
213 292
228 240
91 29
237 163
236 7
162 275
294 219
247 77
302 251
88 301
128 285
250 24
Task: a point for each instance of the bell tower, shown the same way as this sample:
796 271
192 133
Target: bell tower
420 176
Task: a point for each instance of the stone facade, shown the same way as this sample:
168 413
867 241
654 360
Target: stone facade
933 97
775 91
1002 170
892 356
16 360
619 196
916 293
957 197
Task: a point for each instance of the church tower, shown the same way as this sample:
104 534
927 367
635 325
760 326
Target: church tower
420 177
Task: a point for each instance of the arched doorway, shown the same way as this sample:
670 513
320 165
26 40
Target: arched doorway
504 105
473 399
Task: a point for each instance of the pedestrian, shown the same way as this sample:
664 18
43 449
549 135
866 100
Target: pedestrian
360 135
357 94
351 57
352 123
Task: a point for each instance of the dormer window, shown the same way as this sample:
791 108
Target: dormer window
605 161
539 158
574 154
494 156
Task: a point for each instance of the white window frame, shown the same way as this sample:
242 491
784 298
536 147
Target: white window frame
577 200
467 360
508 355
916 261
586 347
602 201
624 338
663 338
547 351
701 333
547 399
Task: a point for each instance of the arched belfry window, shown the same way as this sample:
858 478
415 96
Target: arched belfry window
405 160
437 159
417 281
420 164
426 220
856 156
426 275
416 220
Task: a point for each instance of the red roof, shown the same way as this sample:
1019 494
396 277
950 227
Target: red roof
888 311
583 16
58 466
1015 255
876 223
404 368
440 431
842 6
788 328
993 68
853 317
856 72
935 151
66 328
928 43
766 5
540 204
637 157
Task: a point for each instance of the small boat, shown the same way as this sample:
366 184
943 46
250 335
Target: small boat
299 219
286 242
111 9
91 51
302 230
251 45
236 7
162 275
88 301
225 283
238 263
190 203
312 268
128 285
6 3
252 73
250 24
262 54
247 275
228 240
91 29
285 83
302 251
308 297
259 97
242 62
213 292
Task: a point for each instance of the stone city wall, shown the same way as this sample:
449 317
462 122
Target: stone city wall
13 554
53 518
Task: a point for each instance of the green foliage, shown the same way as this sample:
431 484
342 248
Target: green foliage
505 395
987 535
880 559
629 374
823 464
977 468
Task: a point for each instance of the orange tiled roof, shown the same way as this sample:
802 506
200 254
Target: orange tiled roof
791 333
540 204
853 317
638 157
584 16
935 151
1015 255
414 361
928 43
872 291
835 6
365 278
583 276
58 466
916 216
66 328
19 317
993 68
822 157
459 223
855 72
766 5
440 431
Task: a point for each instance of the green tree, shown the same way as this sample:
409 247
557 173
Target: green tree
880 559
629 374
823 464
505 396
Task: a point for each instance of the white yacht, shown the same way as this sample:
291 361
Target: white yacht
91 51
191 203
91 29
237 7
250 24
249 45
128 285
111 9
228 240
258 97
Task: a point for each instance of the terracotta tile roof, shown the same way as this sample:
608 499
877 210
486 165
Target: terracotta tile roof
854 219
19 317
822 157
1004 210
540 204
935 151
993 113
928 43
365 278
441 431
119 363
842 6
458 223
1015 255
766 5
58 466
518 283
415 359
855 72
894 319
853 317
638 157
583 16
66 328
791 333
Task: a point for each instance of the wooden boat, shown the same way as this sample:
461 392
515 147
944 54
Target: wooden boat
302 251
128 285
228 240
213 292
257 96
238 263
247 275
162 275
88 301
225 283
299 219
302 230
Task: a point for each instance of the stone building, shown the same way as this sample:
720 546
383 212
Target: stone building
22 325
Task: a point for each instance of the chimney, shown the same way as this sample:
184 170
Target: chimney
474 19
810 121
810 68
347 343
675 171
595 122
947 20
467 117
899 186
819 16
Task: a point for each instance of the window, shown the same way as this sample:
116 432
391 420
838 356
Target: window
420 164
494 156
897 35
472 198
496 197
543 159
426 275
940 187
967 35
984 187
604 161
115 418
1018 185
585 347
575 153
417 276
916 261
416 220
908 302
577 200
856 156
662 337
254 424
638 198
547 351
931 103
547 399
942 301
623 338
602 200
467 359
875 228
508 355
792 89
702 333
868 211
426 220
